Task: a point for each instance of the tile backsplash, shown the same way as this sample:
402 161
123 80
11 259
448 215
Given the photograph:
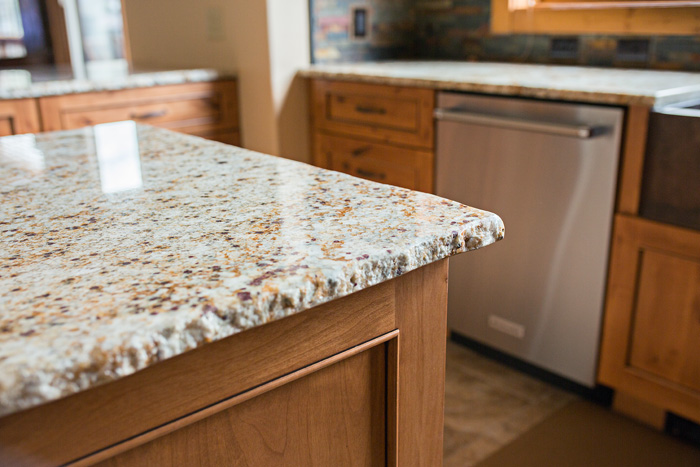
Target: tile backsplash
459 30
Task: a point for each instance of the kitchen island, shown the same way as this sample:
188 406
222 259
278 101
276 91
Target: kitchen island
170 300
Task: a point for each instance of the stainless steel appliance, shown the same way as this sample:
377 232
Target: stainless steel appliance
549 170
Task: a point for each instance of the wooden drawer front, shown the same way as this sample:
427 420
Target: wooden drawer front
386 113
6 126
18 116
190 108
168 114
652 330
408 168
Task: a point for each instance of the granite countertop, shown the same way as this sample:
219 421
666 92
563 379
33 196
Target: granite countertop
20 84
122 245
574 83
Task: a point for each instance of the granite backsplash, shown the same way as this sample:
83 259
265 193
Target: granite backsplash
459 30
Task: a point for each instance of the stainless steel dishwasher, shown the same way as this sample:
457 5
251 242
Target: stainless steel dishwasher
549 170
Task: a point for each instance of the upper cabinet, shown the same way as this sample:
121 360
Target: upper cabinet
637 17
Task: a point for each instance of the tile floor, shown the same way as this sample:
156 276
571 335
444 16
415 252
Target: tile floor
487 405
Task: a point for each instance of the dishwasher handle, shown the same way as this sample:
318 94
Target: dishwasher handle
520 123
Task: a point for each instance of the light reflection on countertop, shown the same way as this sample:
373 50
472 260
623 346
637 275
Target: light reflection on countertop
100 278
117 151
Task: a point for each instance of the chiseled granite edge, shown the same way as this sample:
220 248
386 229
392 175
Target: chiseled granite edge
94 366
375 73
136 80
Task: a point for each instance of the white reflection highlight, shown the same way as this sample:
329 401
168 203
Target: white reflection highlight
117 148
21 151
15 79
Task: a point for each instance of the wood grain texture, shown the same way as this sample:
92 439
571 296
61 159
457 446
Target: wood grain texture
648 414
189 108
388 114
666 326
77 425
357 381
392 401
404 167
543 19
632 159
331 413
421 317
19 116
650 331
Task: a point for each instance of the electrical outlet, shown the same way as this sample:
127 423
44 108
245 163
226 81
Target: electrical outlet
359 22
215 23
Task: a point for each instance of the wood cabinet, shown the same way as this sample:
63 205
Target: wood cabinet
18 116
381 133
356 381
205 109
652 321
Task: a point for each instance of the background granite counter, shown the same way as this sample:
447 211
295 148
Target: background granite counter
20 84
122 245
574 83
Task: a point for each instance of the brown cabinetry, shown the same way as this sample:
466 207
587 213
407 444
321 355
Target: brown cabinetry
203 109
381 133
18 116
652 321
321 387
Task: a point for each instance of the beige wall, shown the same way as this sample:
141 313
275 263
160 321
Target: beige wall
265 42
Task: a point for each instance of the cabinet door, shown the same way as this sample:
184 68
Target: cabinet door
408 168
336 415
652 321
18 116
195 108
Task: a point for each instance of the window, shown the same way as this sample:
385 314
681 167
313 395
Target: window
11 30
659 17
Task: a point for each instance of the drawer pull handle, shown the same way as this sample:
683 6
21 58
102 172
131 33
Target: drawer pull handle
368 174
370 110
359 151
147 115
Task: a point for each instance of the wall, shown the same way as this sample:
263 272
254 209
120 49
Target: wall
245 36
459 30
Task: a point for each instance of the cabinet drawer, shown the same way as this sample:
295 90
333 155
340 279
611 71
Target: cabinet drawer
408 168
18 116
190 108
392 114
170 114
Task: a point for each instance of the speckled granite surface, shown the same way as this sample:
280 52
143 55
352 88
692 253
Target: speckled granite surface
122 245
19 84
584 84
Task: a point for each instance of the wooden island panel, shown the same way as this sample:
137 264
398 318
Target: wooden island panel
373 361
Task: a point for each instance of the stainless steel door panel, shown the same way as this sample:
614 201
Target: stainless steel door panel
555 195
